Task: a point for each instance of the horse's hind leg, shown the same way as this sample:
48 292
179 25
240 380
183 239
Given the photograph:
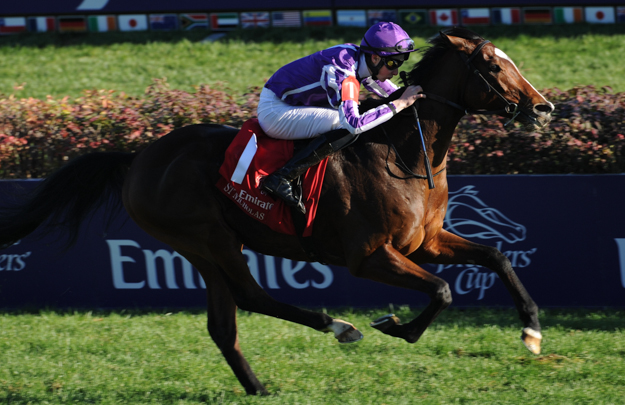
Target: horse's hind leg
448 248
249 296
222 323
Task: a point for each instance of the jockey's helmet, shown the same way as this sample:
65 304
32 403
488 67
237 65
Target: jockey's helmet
387 39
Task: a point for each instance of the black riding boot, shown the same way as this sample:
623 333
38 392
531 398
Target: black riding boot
278 184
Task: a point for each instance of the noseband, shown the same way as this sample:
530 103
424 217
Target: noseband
510 108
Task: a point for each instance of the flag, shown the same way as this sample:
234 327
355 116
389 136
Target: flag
12 25
506 15
41 24
72 24
620 14
102 23
600 15
475 16
224 21
92 4
195 21
376 16
567 15
351 18
317 17
537 15
255 20
413 17
445 17
133 22
163 22
286 19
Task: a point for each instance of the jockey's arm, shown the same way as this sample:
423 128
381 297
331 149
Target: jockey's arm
355 122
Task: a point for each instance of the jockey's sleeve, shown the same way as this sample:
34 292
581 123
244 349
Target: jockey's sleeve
382 89
349 115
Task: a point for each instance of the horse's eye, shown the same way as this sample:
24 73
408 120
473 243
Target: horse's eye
495 68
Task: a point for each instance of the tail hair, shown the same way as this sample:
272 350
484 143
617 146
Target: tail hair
67 198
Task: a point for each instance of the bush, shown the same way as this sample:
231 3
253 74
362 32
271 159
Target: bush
585 136
37 136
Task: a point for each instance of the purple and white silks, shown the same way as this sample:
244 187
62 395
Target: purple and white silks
315 81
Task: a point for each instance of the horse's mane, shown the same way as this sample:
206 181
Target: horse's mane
439 45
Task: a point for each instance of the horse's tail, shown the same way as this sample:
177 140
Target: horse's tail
67 197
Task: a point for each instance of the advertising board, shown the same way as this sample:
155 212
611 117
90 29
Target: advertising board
565 237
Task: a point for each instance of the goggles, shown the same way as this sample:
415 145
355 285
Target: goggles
392 64
403 46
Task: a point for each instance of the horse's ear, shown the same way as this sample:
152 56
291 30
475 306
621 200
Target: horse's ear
444 37
456 42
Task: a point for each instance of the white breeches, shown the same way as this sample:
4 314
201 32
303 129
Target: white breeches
283 121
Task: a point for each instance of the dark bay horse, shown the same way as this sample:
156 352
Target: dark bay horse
374 217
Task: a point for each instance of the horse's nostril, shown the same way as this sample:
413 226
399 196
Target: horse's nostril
545 108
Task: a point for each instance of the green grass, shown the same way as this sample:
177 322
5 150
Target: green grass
468 356
65 65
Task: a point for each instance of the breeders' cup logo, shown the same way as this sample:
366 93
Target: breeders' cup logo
14 261
471 218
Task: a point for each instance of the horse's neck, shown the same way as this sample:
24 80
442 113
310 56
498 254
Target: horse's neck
437 124
439 120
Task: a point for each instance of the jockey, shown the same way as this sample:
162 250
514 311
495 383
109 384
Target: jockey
317 97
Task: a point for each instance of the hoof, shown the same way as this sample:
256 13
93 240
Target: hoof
531 339
345 332
384 323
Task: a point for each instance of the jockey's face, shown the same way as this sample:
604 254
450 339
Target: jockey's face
384 73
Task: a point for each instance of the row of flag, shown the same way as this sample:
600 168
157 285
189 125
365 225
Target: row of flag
357 18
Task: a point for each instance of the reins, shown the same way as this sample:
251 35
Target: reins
510 108
404 168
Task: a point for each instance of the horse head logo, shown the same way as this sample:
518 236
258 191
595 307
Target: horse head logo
469 217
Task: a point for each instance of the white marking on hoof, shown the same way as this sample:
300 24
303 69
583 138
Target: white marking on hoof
531 339
345 332
383 319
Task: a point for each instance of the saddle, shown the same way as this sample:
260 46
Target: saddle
253 155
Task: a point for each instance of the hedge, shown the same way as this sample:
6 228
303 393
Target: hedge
37 136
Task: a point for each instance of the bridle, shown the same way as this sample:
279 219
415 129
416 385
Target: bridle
510 108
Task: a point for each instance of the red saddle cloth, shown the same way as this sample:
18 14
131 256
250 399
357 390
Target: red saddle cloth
253 155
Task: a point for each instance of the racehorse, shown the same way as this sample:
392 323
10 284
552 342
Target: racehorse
377 216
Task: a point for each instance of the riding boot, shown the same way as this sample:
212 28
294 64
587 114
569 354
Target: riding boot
278 184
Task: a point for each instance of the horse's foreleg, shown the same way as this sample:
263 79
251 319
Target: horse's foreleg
386 265
222 324
448 248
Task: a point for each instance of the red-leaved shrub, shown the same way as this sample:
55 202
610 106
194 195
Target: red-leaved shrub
37 136
586 134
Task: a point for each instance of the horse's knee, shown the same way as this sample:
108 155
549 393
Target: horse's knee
495 259
443 295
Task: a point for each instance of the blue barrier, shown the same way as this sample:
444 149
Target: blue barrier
57 7
564 234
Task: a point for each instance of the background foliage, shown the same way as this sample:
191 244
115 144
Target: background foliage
62 95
